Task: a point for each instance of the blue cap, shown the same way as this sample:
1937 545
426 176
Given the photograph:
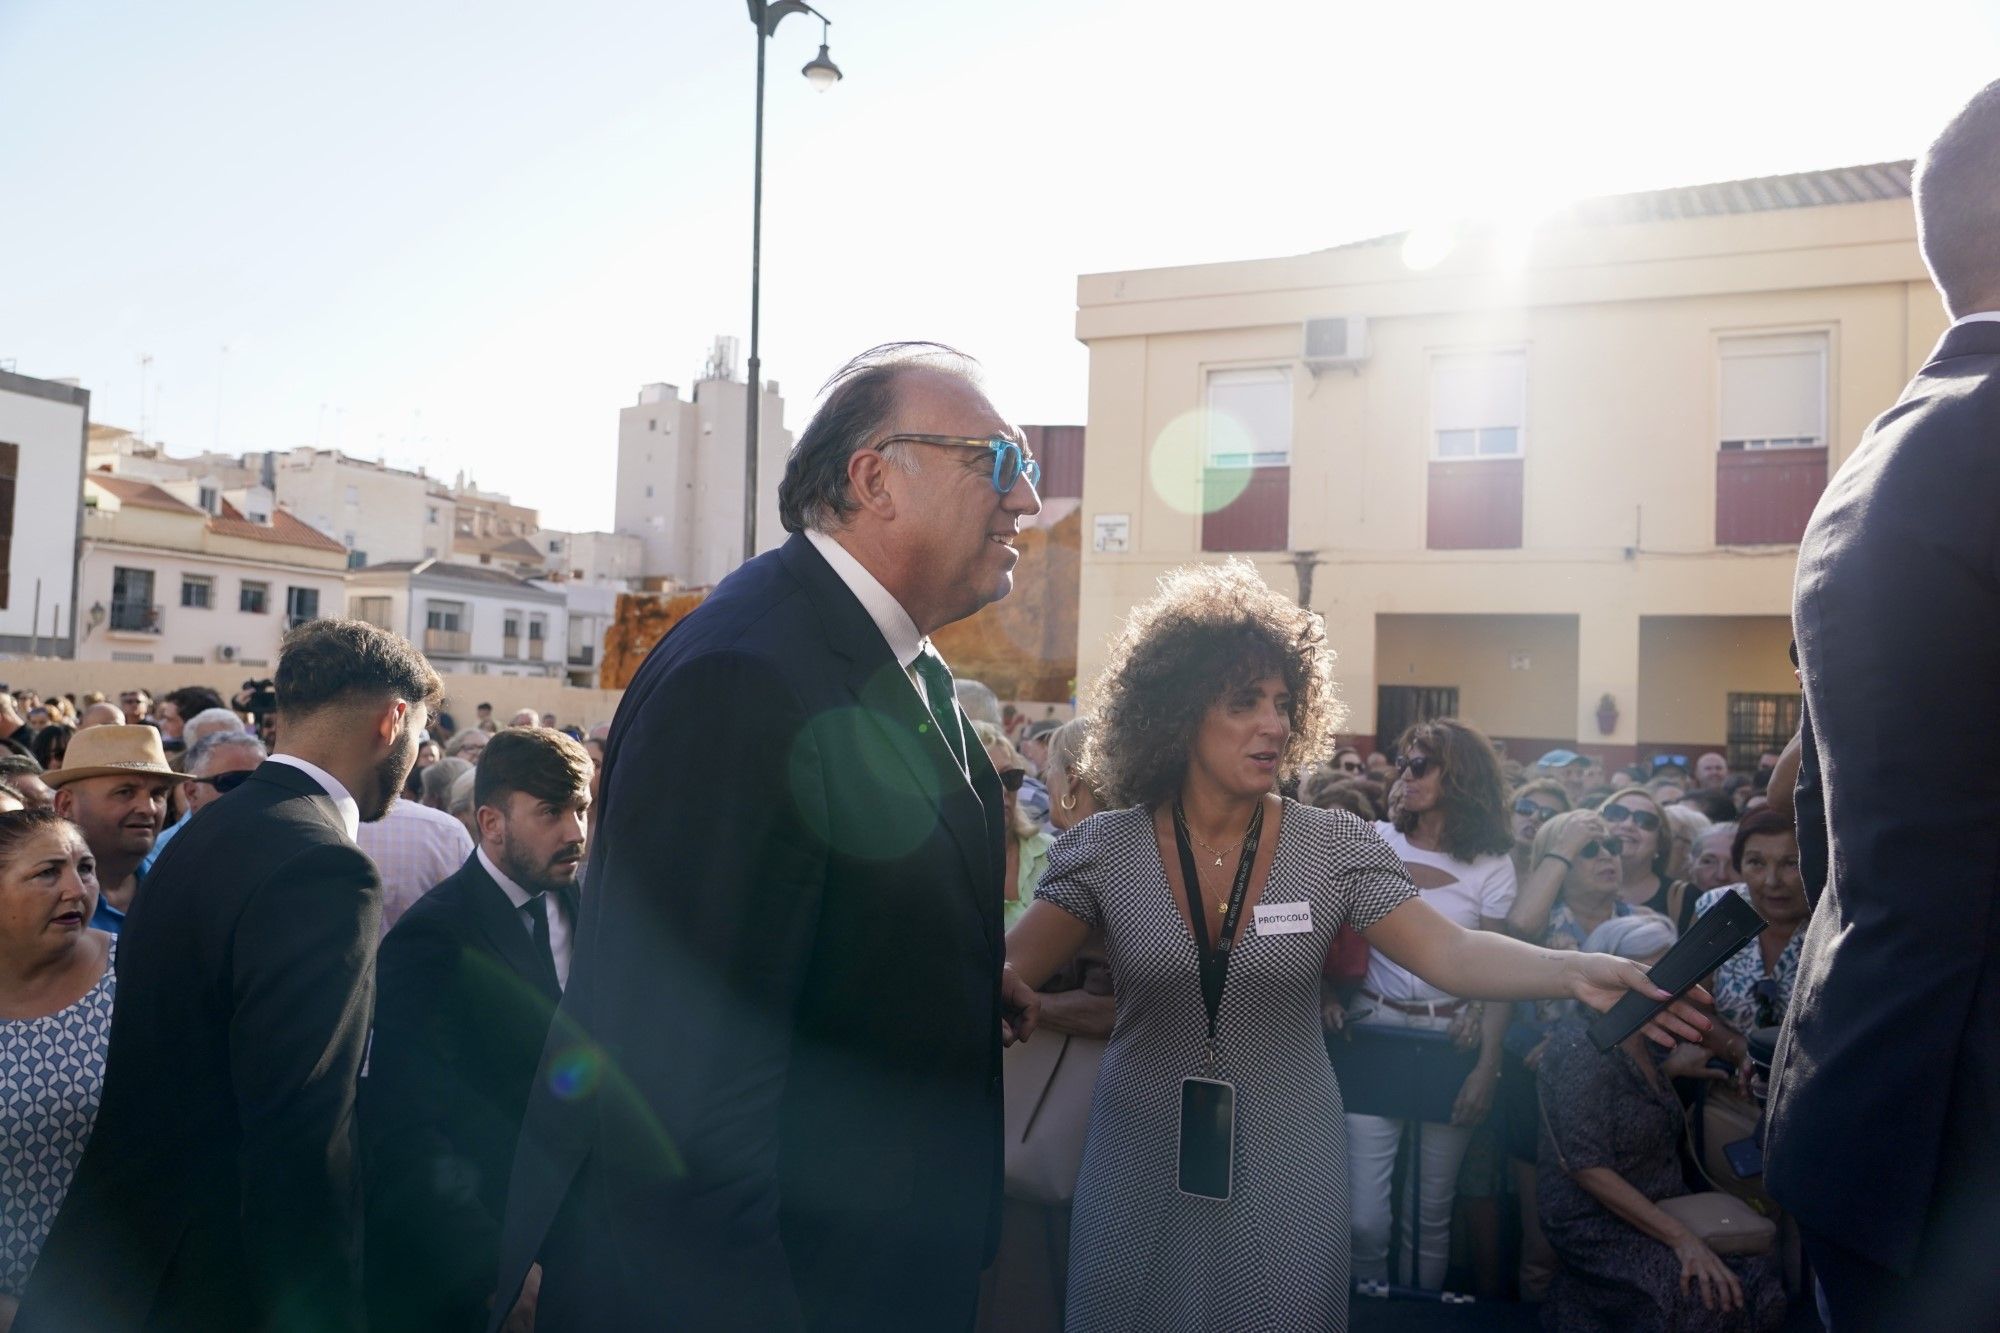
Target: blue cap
1560 759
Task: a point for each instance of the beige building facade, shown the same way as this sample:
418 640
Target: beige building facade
1551 482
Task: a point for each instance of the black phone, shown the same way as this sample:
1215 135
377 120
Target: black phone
1745 1158
1208 1137
1711 940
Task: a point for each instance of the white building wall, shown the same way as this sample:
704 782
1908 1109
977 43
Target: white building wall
680 478
48 509
196 635
379 511
485 611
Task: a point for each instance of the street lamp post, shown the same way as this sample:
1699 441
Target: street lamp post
822 73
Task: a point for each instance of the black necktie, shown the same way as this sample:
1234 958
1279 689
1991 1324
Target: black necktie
943 700
537 909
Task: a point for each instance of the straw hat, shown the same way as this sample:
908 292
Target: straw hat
103 752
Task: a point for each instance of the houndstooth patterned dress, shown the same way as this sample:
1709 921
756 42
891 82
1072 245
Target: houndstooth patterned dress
1145 1258
51 1077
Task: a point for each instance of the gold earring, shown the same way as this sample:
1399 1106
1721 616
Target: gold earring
1069 801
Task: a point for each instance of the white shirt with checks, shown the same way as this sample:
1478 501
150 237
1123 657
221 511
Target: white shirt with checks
414 848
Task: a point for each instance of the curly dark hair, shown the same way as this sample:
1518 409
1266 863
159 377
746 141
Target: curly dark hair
1473 790
1210 630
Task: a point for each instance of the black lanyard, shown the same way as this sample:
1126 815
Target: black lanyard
1215 964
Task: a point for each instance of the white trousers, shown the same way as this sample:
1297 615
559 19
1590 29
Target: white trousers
1372 1145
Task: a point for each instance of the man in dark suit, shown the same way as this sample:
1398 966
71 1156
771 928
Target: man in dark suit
467 983
1884 1138
771 1099
218 1191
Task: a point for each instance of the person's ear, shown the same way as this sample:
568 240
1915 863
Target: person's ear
65 803
492 822
868 482
389 723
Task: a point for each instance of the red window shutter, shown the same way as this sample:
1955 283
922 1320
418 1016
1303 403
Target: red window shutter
1765 497
1258 519
1475 504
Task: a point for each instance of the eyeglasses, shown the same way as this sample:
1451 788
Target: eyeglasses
1534 809
1011 461
1608 846
1350 766
1013 778
1416 765
1618 814
226 782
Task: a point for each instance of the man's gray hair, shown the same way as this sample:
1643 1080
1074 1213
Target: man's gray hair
206 748
978 700
1638 936
461 792
218 720
1957 189
859 405
436 783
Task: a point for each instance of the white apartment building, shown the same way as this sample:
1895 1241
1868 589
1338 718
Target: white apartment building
166 580
472 619
42 428
379 513
680 475
600 559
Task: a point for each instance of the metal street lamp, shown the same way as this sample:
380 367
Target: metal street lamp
822 73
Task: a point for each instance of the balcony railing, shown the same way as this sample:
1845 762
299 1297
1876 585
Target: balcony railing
135 617
582 654
510 645
535 650
455 641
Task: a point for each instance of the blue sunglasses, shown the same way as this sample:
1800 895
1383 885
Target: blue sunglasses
1010 461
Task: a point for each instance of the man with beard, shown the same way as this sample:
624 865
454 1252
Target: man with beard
113 785
219 1190
470 978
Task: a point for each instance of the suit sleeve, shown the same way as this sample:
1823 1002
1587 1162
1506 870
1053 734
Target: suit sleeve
427 1224
302 987
698 938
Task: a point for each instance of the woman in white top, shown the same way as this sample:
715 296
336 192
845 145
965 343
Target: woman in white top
1452 834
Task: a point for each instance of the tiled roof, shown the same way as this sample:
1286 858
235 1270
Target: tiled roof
141 494
1759 194
463 573
284 529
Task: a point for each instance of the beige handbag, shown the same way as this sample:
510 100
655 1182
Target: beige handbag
1725 1223
1722 1222
1046 1089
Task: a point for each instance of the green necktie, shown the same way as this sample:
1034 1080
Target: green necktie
943 700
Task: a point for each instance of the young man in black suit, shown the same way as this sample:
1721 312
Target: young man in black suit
1884 1136
219 1188
771 1099
468 981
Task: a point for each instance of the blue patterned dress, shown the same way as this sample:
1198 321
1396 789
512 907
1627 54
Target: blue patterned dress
51 1077
1273 1258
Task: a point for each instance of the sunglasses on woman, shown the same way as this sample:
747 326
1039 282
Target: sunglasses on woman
226 782
1618 814
1608 846
1011 461
1534 809
1013 778
1416 765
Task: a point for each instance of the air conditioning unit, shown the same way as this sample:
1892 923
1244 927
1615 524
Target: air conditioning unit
225 652
1336 340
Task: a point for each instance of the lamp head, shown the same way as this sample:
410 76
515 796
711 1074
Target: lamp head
820 71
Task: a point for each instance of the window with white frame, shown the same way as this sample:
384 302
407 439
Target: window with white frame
448 617
1478 404
1250 418
1773 391
197 590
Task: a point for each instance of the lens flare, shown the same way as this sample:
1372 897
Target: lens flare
1179 463
575 1073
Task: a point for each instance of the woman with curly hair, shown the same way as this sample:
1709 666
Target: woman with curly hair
1217 901
1452 836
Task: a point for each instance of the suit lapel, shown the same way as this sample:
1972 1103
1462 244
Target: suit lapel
902 723
501 924
299 783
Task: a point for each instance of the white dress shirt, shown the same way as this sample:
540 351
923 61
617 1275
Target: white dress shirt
350 809
558 923
414 848
898 630
1978 317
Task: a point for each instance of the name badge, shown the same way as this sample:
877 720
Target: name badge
1284 918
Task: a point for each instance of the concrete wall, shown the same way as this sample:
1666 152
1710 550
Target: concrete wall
47 421
47 676
1689 665
1621 328
1516 675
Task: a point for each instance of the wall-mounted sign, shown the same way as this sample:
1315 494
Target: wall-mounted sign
1113 533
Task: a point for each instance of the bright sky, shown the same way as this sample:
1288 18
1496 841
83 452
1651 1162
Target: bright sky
463 235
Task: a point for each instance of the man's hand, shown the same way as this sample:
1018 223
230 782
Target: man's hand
521 1319
1475 1097
1022 1005
1691 1062
1600 980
